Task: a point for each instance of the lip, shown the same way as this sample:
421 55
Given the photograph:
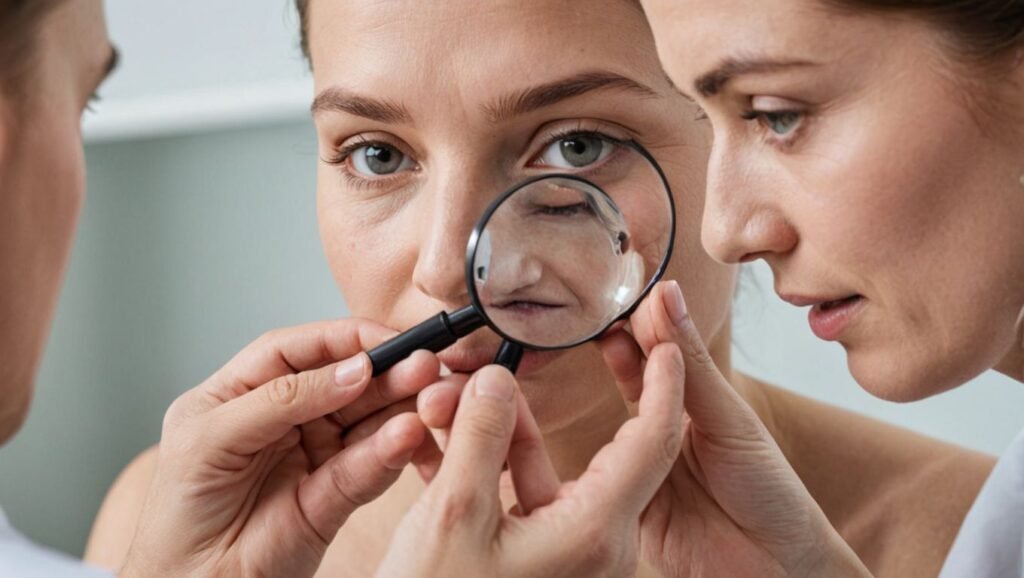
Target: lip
829 324
829 315
805 300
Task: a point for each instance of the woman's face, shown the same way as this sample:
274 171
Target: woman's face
42 175
880 182
426 112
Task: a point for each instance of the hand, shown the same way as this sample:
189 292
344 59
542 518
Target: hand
584 528
252 479
732 505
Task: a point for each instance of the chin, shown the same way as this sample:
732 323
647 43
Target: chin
904 375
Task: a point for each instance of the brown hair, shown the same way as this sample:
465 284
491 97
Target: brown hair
303 7
981 30
19 27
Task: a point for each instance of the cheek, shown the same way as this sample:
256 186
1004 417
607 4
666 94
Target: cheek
708 286
371 260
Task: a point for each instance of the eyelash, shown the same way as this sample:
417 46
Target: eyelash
578 131
340 159
94 99
341 155
782 141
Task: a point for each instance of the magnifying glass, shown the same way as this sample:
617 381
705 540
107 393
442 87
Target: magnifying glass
557 259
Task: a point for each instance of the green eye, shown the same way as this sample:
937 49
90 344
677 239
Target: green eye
378 160
576 151
782 123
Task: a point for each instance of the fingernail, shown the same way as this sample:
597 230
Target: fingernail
350 372
495 386
445 372
674 303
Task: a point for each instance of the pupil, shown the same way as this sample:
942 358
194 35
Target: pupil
581 151
382 160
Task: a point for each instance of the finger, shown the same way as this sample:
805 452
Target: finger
479 442
248 424
533 475
625 360
358 475
402 381
292 350
713 405
321 440
374 422
438 402
427 460
624 474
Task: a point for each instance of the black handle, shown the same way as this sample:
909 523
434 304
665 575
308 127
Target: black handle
509 355
434 334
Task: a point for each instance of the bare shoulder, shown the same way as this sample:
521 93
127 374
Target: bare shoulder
897 496
115 523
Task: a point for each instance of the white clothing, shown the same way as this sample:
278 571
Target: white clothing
20 558
991 541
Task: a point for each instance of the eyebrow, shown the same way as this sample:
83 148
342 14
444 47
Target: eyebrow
340 100
517 104
711 83
551 93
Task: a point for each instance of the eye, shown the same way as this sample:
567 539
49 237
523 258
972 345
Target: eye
565 210
575 151
782 123
378 159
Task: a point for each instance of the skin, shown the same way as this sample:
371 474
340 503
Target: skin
397 253
566 262
43 170
244 456
899 180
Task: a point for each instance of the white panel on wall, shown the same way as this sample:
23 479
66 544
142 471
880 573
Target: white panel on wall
195 65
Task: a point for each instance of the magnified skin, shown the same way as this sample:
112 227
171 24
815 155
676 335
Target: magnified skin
552 289
556 269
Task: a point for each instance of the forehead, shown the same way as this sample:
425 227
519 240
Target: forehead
473 48
701 33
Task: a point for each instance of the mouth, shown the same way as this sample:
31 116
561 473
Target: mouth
829 319
525 307
827 306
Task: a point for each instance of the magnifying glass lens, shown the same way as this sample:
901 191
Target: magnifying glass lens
563 256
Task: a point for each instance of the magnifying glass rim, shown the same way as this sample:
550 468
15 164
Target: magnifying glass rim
474 239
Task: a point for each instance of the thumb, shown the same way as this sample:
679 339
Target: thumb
479 443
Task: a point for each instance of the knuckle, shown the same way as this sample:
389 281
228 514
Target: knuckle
284 391
488 424
348 485
695 352
267 338
669 448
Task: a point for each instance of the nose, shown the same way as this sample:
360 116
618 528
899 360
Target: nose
451 207
744 217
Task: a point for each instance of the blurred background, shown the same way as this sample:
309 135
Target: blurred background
199 234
